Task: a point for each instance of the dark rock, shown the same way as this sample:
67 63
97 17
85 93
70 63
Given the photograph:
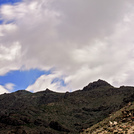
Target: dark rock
77 124
66 95
25 119
39 122
11 121
129 99
55 125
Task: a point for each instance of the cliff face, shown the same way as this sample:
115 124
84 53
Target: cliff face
48 112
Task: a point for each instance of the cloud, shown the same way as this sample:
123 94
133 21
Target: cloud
47 81
9 86
10 57
81 40
3 90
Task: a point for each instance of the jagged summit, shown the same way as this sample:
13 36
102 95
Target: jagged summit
96 84
48 91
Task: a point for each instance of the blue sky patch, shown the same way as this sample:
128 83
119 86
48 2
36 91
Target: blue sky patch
9 1
7 22
22 79
1 21
60 80
3 2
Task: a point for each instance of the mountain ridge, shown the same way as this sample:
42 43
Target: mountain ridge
49 112
91 85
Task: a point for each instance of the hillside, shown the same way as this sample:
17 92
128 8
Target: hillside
48 112
119 122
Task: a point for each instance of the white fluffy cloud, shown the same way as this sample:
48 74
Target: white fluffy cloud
45 81
3 90
83 40
9 86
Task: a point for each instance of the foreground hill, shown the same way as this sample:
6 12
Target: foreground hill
119 122
48 112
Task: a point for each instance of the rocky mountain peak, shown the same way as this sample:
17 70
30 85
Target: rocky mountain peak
48 91
96 84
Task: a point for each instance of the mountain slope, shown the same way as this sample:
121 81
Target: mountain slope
54 113
121 121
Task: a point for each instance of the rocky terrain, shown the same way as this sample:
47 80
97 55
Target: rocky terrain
48 112
120 122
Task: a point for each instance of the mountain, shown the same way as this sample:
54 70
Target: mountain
49 112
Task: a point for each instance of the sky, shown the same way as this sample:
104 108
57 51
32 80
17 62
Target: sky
65 44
